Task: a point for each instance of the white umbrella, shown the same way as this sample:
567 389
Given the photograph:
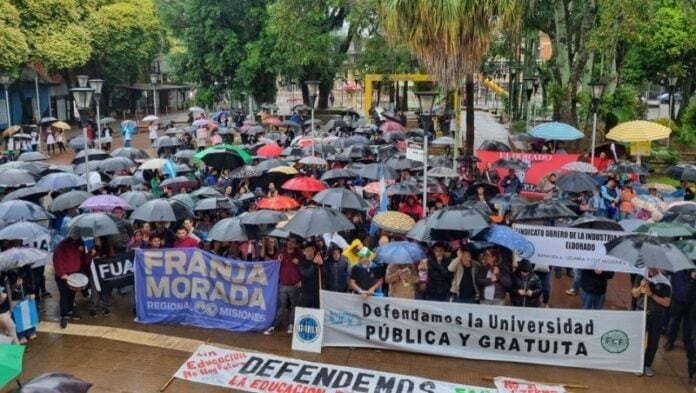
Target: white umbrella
579 166
155 163
150 118
311 160
197 109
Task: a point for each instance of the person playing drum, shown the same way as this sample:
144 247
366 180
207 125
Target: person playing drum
68 258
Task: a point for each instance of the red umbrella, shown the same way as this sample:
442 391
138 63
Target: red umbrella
273 121
269 150
391 126
278 203
304 183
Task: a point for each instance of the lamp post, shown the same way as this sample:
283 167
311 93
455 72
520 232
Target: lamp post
513 90
529 89
426 100
96 85
536 90
83 98
82 81
154 78
596 89
672 84
313 92
6 82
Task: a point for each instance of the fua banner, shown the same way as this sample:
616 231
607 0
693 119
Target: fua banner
113 272
42 242
599 339
574 247
261 373
193 287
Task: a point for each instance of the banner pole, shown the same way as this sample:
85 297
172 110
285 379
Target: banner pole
645 336
171 379
565 385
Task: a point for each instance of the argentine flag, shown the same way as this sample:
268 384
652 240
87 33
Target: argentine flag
383 201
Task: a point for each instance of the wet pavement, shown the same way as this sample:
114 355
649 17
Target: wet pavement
141 358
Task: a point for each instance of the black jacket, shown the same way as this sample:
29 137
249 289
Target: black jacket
532 282
439 280
593 283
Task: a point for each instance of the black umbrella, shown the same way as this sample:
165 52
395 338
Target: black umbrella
364 130
60 180
136 199
92 225
576 182
468 158
32 193
115 164
47 120
459 219
491 145
228 230
509 202
213 204
319 148
336 123
262 217
291 124
642 250
338 158
546 210
69 200
185 154
391 137
255 130
357 151
223 159
340 198
512 163
404 188
271 163
83 167
480 205
341 173
207 192
131 152
186 199
440 161
292 151
154 211
689 219
55 383
594 222
125 181
606 149
182 169
401 163
179 182
374 171
489 190
626 167
181 210
16 178
315 221
684 208
688 174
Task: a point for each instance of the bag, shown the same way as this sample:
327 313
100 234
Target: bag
25 315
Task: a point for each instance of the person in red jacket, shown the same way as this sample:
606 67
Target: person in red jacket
183 239
69 257
412 208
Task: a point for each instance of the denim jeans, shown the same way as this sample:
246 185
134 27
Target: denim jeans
288 295
592 302
545 278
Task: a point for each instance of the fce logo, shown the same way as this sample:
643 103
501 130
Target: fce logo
308 328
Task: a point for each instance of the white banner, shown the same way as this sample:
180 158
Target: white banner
262 373
308 331
514 385
574 247
598 339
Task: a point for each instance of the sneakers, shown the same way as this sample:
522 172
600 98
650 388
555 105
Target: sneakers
64 322
291 329
647 371
572 292
269 331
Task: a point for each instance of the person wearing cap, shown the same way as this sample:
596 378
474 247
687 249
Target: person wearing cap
464 270
310 265
439 278
526 286
366 278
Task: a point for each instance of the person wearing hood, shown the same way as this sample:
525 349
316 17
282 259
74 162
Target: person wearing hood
412 208
526 286
336 271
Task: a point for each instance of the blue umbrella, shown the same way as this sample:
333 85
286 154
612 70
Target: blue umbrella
400 253
508 238
556 131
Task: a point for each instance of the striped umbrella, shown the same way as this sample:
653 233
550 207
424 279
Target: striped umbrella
638 131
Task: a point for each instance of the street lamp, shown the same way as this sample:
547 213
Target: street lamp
82 80
83 98
596 89
6 82
313 92
154 78
672 84
513 89
426 100
97 84
529 89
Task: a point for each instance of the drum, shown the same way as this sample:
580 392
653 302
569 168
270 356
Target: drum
78 281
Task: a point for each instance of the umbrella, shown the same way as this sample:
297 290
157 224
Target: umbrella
150 118
638 131
223 157
643 250
228 230
153 164
338 158
393 221
399 162
136 199
340 198
357 151
55 382
77 143
404 188
579 166
33 168
105 203
303 183
131 153
69 200
272 163
262 217
391 126
92 225
81 169
273 121
301 107
179 182
16 178
23 230
165 141
19 210
341 173
489 190
93 154
443 141
26 193
460 219
60 180
213 204
374 171
688 247
255 130
512 163
61 125
47 120
290 123
507 237
546 210
399 252
310 121
594 222
196 109
689 219
480 205
154 211
206 192
440 161
630 224
468 158
315 221
269 150
667 229
116 164
278 203
106 120
492 145
32 156
313 161
509 202
11 357
125 181
12 130
189 200
17 257
186 154
555 131
245 172
22 135
626 167
685 207
576 182
442 172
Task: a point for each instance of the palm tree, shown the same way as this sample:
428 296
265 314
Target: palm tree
449 37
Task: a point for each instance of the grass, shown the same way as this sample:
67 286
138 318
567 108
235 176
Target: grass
662 179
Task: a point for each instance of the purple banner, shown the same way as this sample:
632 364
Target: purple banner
189 286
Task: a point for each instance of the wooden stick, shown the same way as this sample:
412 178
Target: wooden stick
171 379
565 385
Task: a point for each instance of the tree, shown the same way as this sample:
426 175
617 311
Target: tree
13 43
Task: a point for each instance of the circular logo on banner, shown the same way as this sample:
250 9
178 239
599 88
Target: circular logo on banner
615 341
308 328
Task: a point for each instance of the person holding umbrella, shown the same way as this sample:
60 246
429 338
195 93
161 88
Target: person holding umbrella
656 289
310 269
490 174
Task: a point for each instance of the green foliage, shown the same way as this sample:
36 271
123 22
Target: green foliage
380 57
622 106
518 126
668 155
205 96
13 43
61 49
